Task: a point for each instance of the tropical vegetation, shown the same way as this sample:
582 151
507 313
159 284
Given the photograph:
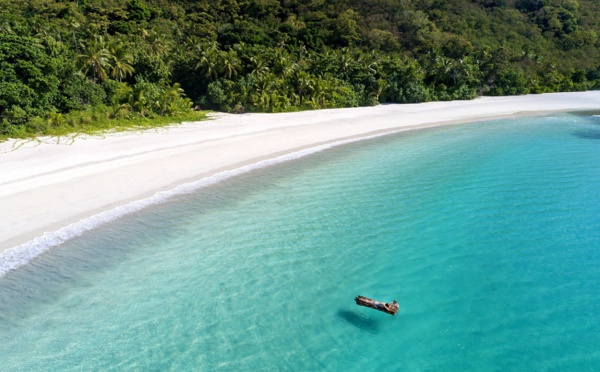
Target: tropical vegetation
79 65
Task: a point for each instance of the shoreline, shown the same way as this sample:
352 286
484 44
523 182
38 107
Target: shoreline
52 183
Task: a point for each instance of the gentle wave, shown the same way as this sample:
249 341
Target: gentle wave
21 255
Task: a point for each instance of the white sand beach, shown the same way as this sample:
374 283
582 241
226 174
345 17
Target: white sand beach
48 184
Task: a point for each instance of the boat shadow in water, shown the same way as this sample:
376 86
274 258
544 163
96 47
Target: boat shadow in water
368 324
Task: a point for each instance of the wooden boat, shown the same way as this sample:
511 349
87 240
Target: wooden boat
390 308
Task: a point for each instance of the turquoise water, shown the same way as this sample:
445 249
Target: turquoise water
487 234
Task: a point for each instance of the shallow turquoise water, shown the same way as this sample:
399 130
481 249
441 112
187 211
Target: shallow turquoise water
487 234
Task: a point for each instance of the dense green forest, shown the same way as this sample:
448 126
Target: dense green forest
65 65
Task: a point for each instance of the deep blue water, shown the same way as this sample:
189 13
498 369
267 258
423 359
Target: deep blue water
487 234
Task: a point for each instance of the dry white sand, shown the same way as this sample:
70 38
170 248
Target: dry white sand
51 183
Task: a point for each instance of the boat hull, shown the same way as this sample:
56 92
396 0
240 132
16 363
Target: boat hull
390 308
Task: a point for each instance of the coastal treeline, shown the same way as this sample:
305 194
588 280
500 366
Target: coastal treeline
67 65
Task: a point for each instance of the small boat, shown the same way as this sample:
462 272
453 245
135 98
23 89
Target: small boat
390 308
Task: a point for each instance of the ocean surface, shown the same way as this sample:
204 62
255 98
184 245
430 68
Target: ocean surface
487 234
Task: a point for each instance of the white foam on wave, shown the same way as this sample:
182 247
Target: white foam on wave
21 255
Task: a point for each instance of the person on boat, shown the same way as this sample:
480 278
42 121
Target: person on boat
379 305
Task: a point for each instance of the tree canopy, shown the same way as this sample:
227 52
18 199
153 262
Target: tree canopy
151 58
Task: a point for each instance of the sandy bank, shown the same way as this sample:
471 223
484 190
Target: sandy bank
49 184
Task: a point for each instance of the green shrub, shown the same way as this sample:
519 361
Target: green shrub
79 92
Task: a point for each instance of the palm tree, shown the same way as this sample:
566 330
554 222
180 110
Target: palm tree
305 85
209 59
121 61
282 63
440 69
264 85
168 96
370 62
6 28
139 102
74 25
37 27
230 64
157 44
346 62
96 59
121 111
466 70
260 66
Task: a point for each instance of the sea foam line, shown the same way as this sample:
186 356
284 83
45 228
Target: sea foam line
21 255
